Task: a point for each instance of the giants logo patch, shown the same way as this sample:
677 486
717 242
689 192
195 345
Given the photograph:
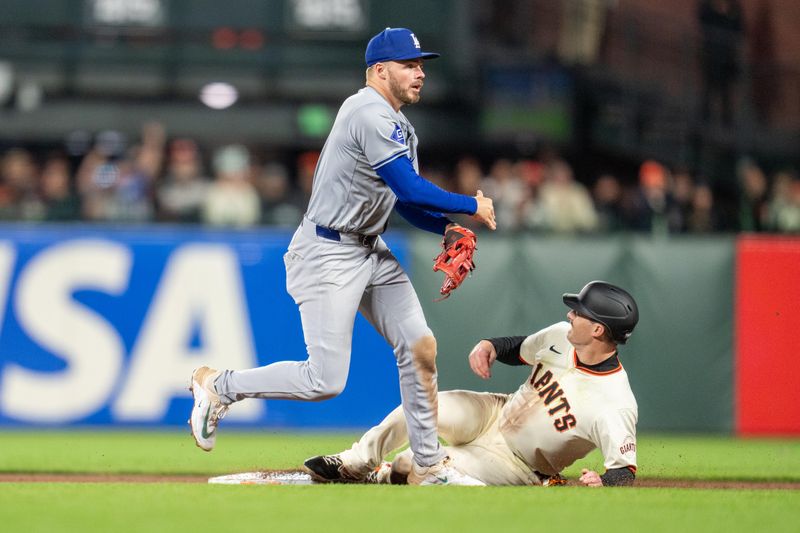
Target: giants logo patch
397 135
628 446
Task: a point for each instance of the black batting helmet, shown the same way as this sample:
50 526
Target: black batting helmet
608 304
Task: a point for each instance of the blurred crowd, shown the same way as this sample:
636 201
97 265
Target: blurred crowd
154 180
158 179
544 195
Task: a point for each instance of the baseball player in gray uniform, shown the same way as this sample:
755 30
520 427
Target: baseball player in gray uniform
338 264
577 398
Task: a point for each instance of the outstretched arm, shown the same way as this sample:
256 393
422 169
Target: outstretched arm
412 189
423 219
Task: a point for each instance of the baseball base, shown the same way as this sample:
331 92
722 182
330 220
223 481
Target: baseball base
263 478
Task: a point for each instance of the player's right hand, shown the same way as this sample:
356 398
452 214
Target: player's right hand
482 358
485 212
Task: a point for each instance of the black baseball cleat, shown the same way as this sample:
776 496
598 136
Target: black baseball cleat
330 469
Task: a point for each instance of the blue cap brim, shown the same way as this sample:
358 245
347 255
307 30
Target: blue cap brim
418 55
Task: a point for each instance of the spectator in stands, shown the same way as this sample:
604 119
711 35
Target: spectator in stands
278 207
232 200
19 199
60 201
138 175
607 194
753 196
116 182
651 201
508 192
784 206
703 217
682 206
183 191
468 176
531 175
565 204
468 179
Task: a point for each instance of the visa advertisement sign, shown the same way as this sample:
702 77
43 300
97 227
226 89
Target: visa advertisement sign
103 326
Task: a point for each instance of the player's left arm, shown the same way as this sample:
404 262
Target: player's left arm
412 189
615 434
422 218
613 477
378 136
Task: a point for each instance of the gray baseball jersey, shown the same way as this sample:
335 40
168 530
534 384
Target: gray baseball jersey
348 195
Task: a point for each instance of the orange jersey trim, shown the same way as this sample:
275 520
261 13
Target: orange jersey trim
592 372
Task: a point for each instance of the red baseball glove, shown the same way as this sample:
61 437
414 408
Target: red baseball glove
458 247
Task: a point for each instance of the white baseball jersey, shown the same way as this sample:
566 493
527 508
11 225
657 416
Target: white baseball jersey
564 411
560 414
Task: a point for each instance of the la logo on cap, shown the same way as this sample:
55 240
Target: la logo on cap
416 41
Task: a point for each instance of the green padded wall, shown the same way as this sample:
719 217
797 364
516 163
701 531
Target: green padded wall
680 358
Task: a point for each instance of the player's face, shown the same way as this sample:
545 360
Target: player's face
405 80
580 334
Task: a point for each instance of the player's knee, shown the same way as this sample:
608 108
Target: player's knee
424 352
323 387
325 390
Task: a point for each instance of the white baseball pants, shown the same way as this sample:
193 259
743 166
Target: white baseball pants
468 422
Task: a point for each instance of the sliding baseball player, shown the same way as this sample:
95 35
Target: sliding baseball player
576 398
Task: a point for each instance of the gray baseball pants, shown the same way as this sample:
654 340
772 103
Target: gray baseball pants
330 281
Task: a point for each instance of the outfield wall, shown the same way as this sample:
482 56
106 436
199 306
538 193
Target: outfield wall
680 356
101 326
767 363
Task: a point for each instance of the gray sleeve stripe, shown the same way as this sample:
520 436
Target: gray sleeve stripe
392 157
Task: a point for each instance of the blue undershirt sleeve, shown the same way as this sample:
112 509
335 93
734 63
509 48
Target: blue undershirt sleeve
413 189
433 222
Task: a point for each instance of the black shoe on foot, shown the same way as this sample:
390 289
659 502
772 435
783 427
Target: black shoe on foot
329 469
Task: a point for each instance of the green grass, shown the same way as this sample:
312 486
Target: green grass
665 456
162 452
173 507
178 506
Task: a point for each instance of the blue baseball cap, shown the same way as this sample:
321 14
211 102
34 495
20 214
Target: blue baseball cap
395 44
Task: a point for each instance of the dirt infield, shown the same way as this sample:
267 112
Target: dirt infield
98 478
174 478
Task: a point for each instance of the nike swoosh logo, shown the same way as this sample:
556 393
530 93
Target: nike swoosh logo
205 433
553 349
